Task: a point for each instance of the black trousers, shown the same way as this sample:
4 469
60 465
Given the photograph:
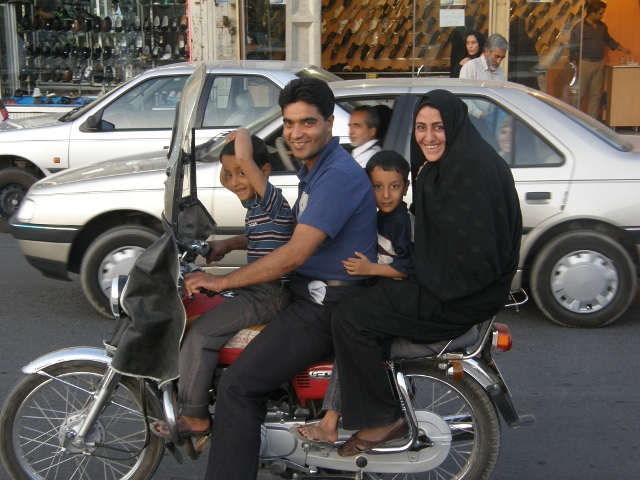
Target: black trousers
296 337
362 325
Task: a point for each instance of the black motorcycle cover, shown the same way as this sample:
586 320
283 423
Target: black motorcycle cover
148 343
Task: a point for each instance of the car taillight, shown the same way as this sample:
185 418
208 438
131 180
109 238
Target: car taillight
501 337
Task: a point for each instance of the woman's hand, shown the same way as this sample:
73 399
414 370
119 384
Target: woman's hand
464 60
358 266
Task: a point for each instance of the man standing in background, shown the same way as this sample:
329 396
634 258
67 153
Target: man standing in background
487 66
595 36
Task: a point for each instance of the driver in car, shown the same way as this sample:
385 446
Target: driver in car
336 216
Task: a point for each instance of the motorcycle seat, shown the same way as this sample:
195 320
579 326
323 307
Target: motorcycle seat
402 348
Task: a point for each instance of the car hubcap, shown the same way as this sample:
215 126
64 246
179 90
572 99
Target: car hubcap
118 262
584 281
11 197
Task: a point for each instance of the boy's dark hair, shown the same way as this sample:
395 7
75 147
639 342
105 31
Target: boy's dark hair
260 151
389 161
309 90
372 120
595 6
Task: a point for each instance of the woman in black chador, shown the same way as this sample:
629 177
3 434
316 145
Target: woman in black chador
467 238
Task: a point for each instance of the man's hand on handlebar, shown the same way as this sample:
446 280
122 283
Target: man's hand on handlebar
198 281
219 249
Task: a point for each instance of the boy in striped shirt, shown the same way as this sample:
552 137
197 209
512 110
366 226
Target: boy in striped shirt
269 223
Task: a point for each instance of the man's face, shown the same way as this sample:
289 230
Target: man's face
306 131
359 132
598 16
494 58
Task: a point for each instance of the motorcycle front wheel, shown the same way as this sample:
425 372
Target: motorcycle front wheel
472 417
41 409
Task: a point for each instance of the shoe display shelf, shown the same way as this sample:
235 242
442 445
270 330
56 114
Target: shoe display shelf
391 37
266 28
84 49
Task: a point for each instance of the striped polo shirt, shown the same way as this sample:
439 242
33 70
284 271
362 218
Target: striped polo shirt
268 224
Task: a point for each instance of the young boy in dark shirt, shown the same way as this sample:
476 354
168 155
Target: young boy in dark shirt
389 174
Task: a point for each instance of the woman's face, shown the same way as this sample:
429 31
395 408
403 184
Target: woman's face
429 131
472 45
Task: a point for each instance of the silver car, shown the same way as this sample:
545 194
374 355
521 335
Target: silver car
136 118
578 183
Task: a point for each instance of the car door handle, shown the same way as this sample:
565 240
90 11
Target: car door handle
166 148
544 197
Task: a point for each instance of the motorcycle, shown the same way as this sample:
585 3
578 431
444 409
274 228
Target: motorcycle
85 412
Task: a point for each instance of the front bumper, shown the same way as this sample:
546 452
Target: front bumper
45 247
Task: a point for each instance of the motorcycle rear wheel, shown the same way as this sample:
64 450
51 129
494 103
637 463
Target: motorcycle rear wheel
470 413
39 409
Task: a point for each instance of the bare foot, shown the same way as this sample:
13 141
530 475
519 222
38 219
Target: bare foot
375 434
326 430
197 424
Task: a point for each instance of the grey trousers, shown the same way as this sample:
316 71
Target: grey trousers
198 359
591 81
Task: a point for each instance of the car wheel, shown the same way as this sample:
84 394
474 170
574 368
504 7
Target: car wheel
112 253
583 279
14 184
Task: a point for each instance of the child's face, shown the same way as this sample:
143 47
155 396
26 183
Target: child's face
389 188
233 178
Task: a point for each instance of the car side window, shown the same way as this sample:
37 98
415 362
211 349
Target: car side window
150 105
518 144
236 100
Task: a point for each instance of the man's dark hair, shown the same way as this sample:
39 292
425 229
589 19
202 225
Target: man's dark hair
389 161
595 6
260 151
373 121
309 90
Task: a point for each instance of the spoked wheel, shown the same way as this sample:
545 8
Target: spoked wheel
41 410
470 414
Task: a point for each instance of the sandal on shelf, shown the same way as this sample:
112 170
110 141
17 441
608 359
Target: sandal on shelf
159 428
356 445
313 431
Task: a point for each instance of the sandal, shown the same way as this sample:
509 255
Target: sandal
159 428
356 445
314 432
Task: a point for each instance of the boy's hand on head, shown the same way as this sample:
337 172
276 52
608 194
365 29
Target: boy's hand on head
358 266
231 137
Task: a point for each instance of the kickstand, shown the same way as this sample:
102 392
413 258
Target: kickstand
171 447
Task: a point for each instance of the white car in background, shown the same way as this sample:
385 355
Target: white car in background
136 118
578 184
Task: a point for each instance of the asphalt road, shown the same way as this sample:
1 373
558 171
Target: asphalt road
582 385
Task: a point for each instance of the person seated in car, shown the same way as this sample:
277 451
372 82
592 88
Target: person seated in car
269 224
364 126
389 174
467 240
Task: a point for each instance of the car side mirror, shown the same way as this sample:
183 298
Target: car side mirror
93 122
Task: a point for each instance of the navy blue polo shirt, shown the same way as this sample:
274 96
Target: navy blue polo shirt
336 197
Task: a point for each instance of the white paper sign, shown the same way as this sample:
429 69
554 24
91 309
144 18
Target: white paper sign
452 17
449 3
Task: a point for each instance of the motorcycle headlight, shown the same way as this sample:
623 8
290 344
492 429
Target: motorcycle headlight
26 211
117 289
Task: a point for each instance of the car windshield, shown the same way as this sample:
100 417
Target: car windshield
585 121
71 115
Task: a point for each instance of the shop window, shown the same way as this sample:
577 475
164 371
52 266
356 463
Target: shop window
235 101
149 106
265 27
518 144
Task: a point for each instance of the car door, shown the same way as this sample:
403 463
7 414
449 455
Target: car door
541 167
137 122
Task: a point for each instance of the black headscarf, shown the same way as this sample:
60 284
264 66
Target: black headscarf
468 222
459 50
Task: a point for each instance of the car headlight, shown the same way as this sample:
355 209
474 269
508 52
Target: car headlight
26 211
